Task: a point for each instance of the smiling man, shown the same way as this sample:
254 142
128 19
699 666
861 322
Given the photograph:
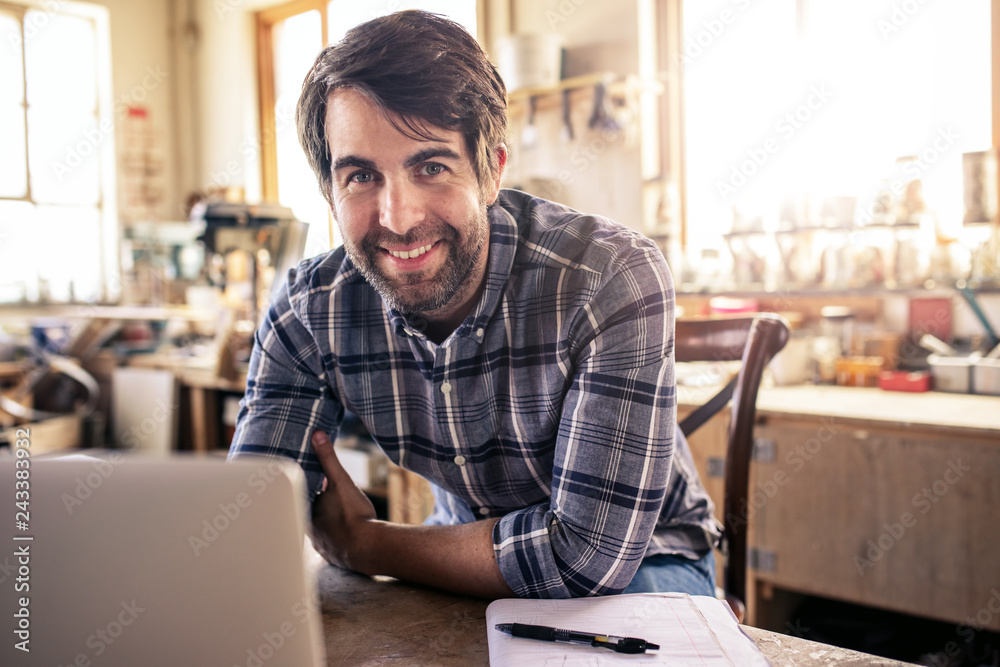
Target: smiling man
516 353
411 210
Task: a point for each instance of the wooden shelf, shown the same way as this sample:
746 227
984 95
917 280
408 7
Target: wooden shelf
89 311
548 97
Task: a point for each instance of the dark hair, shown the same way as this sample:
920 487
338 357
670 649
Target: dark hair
426 69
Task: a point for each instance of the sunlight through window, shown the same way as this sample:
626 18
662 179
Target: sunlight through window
796 106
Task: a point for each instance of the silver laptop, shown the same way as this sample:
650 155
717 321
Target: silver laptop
155 561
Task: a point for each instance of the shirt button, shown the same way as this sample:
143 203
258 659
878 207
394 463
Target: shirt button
445 387
484 510
480 332
459 460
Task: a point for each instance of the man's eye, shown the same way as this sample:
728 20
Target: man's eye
362 177
432 169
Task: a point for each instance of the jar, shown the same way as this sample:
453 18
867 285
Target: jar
838 323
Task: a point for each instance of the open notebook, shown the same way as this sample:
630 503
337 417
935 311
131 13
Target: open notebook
691 630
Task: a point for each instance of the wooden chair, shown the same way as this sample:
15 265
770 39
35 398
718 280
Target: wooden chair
753 339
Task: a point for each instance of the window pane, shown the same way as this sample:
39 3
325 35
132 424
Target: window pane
771 114
919 86
51 247
736 84
18 252
297 40
48 252
69 239
11 73
13 168
61 58
345 14
64 154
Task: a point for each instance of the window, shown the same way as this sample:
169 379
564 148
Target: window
798 104
58 228
289 39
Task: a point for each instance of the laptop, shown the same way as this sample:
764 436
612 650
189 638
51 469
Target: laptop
113 559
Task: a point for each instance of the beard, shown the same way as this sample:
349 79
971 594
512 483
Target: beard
428 290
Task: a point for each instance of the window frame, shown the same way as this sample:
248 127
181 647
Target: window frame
109 260
266 20
19 11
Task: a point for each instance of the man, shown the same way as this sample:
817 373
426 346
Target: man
516 353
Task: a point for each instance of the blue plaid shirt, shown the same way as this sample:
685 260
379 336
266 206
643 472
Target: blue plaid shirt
552 406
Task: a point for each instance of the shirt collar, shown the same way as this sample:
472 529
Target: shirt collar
503 244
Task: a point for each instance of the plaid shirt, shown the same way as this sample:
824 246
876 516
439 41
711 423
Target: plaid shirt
552 406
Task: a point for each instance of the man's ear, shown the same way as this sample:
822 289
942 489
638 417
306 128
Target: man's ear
501 153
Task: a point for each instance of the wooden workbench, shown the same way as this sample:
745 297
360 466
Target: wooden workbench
382 621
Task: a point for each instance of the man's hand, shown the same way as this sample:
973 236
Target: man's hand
347 533
341 512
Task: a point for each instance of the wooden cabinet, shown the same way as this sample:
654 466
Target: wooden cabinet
878 516
883 499
708 450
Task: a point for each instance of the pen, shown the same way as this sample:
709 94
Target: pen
615 643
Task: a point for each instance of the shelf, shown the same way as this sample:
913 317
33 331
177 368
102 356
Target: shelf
813 292
88 311
617 86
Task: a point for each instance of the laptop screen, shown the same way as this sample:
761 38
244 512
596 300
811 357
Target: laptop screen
115 560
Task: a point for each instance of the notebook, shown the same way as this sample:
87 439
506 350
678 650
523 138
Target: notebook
690 630
116 560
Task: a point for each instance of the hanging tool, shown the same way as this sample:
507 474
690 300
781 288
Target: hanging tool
601 118
567 130
529 136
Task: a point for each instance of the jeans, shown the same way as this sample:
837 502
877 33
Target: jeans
668 573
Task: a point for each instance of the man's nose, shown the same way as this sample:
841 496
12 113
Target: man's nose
401 207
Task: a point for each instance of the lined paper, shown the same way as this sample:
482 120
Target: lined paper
675 621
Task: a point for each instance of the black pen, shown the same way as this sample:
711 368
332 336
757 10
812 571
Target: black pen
615 643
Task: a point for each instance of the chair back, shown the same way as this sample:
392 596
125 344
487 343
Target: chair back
753 339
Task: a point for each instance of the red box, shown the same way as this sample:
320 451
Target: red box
904 381
931 316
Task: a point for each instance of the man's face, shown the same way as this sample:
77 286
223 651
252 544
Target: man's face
412 212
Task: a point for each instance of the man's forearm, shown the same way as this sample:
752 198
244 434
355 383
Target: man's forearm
456 558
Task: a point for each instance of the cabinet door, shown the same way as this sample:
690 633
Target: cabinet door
885 518
708 450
